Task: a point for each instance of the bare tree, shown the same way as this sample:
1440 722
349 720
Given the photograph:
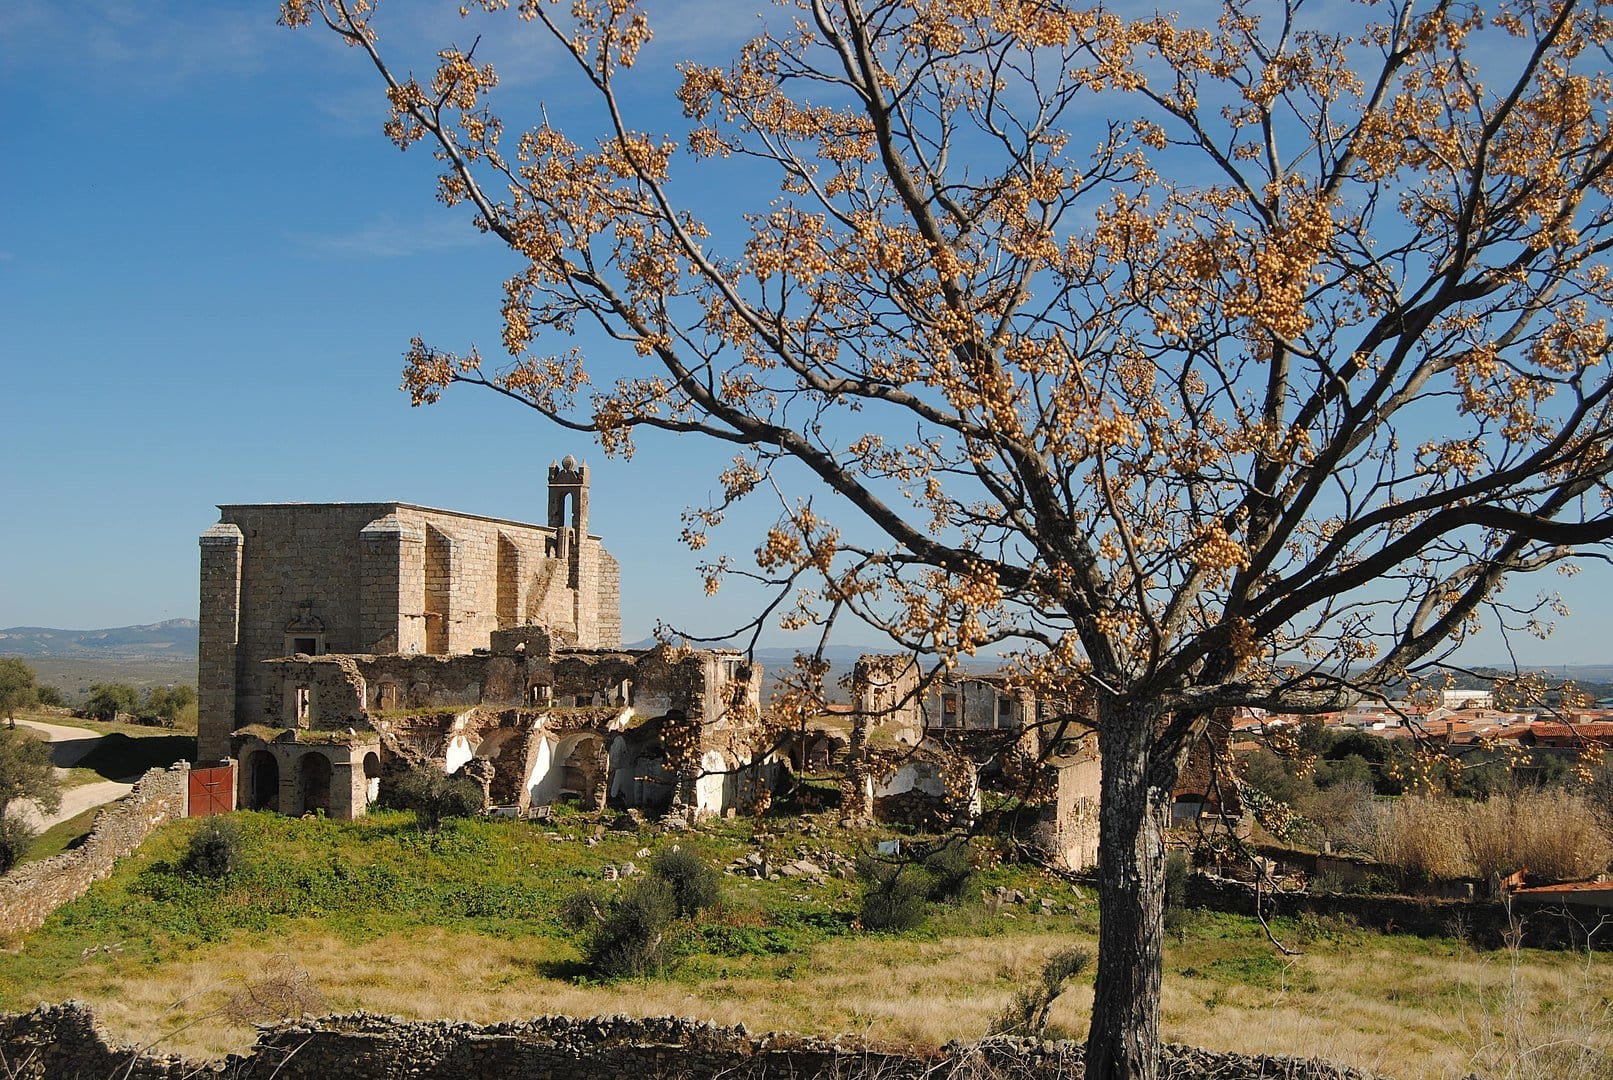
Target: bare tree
1252 395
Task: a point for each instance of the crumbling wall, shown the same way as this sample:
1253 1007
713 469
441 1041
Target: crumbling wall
1197 784
885 695
1068 830
321 692
30 892
63 1041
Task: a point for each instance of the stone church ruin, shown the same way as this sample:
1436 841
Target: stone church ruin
343 642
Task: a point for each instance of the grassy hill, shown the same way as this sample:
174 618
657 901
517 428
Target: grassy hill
377 915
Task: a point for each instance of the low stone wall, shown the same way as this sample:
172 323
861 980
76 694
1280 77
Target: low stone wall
1484 923
30 892
63 1041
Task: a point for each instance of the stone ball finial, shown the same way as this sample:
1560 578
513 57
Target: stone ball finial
568 463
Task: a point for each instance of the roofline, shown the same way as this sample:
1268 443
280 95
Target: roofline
222 507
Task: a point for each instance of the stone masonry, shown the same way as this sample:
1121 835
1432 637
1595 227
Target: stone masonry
63 1041
279 580
30 892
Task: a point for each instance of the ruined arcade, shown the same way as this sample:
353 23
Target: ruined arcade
341 642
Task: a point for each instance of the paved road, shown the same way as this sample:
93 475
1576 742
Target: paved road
68 745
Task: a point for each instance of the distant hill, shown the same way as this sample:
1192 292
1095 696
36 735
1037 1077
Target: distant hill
172 639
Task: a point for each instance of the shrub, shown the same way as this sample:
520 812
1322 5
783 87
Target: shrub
895 897
284 990
950 870
1177 870
1342 814
214 850
693 882
15 836
434 796
624 935
1028 1010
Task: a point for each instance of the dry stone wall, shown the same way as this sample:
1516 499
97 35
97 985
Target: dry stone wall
29 893
1484 923
63 1041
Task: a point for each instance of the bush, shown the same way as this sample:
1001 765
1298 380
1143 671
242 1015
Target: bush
1177 871
433 796
895 897
15 836
1027 1011
624 935
1341 814
214 850
950 870
693 882
284 990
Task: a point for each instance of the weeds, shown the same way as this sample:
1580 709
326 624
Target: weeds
1027 1012
284 990
1555 835
1521 1037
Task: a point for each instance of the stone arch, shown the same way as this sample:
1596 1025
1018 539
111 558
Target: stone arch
650 783
313 782
493 742
262 772
372 777
577 769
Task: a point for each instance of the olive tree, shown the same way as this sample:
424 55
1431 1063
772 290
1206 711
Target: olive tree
18 688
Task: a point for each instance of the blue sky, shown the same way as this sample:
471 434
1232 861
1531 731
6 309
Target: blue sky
210 264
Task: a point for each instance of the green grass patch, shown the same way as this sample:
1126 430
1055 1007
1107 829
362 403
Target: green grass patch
62 835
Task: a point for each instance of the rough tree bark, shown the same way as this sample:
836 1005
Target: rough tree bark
1123 1042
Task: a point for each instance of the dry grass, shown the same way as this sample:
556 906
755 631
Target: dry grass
1554 834
1426 836
1429 1012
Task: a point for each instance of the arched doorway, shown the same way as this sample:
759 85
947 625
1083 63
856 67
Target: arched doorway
313 782
581 768
651 783
372 777
263 781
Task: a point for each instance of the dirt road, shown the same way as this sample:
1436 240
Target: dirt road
68 745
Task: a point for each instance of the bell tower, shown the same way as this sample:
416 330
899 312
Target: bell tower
569 481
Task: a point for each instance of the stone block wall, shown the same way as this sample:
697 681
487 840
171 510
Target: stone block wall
216 666
375 578
29 893
63 1040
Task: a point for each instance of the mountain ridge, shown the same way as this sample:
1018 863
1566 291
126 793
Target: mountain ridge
168 638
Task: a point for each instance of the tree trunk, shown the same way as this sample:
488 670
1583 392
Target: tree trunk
1123 1043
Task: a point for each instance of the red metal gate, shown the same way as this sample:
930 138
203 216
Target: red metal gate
212 791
